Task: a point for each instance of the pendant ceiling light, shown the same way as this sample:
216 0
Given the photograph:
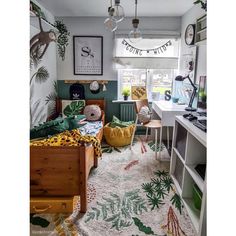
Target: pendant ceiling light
135 34
110 22
118 14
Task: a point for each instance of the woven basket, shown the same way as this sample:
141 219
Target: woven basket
118 137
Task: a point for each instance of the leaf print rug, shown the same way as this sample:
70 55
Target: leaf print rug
130 194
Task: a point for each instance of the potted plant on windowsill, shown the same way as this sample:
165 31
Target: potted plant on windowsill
126 93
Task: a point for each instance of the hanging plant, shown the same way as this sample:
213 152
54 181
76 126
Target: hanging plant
62 39
203 4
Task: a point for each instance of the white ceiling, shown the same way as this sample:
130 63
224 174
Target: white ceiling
99 7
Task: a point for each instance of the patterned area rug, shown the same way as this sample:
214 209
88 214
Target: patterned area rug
130 194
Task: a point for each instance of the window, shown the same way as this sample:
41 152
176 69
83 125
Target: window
156 81
153 71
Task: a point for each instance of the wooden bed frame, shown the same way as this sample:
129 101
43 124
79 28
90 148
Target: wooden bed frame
57 174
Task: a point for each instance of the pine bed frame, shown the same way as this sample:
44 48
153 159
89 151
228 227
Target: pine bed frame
57 174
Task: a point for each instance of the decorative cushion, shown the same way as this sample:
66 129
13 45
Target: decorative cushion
92 112
144 115
116 122
72 107
118 137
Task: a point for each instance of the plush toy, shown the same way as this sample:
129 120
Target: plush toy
144 115
92 112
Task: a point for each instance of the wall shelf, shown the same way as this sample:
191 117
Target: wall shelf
85 81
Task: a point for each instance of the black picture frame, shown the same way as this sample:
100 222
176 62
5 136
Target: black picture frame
88 55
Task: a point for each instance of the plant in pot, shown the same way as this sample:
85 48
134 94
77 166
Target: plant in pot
126 93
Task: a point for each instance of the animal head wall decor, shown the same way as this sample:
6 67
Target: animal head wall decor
40 40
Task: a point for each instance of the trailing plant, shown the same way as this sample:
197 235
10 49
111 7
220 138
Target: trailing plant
62 39
203 4
118 210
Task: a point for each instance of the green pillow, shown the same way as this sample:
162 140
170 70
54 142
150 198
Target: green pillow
72 107
116 122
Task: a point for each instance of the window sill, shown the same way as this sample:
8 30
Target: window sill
127 101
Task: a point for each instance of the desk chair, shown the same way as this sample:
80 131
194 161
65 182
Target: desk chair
152 124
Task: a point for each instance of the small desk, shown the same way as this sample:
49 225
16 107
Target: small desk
167 110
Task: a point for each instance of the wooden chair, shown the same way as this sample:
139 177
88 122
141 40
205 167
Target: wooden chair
152 124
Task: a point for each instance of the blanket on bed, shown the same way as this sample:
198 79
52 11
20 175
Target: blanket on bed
70 138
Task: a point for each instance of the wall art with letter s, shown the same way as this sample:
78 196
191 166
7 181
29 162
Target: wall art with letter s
88 55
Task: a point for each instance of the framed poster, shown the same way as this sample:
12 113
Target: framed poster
188 63
88 55
138 92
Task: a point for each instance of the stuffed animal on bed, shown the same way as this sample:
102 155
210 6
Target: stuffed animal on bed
92 112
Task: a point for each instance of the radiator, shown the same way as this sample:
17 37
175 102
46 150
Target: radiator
127 112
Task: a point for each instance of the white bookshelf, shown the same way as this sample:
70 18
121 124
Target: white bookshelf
188 150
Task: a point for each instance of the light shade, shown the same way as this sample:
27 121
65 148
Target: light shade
110 24
118 14
135 35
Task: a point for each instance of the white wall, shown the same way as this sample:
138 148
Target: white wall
39 91
95 26
190 17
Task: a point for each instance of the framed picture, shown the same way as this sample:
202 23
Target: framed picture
138 92
88 55
188 63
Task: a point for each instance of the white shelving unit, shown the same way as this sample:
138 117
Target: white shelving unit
189 150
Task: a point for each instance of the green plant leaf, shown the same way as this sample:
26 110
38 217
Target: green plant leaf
74 108
161 173
154 202
167 183
148 188
97 212
90 216
143 228
176 201
42 74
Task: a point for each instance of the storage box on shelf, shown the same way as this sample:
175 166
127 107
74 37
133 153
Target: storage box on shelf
201 29
188 151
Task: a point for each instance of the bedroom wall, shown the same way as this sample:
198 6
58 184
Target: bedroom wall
39 91
95 26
